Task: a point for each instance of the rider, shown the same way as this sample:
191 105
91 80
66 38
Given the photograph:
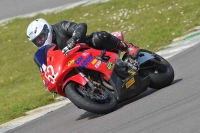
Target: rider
66 34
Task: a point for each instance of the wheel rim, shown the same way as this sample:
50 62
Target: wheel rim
99 96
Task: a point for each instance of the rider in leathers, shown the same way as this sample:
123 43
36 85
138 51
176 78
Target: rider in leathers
66 34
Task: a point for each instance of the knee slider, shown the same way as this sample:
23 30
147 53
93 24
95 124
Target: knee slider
99 38
103 36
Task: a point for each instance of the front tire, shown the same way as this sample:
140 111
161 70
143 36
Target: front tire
75 95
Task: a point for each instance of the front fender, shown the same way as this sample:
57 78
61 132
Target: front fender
76 78
143 57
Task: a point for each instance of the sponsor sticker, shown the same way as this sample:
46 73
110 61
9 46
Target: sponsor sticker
77 61
130 82
98 64
84 62
94 61
131 71
51 58
110 65
70 63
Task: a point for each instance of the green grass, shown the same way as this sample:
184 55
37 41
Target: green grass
150 24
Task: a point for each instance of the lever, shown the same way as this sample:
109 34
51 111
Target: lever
103 52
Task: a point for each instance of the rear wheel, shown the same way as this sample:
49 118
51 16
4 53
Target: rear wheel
99 102
161 72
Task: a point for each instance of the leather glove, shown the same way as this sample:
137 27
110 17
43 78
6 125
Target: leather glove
134 52
71 43
65 50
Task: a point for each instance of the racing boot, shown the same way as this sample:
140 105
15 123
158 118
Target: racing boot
129 48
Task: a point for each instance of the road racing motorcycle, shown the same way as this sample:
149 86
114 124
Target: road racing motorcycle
97 80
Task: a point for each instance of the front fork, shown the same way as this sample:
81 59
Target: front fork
91 85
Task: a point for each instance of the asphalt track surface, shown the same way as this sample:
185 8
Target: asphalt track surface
173 109
12 8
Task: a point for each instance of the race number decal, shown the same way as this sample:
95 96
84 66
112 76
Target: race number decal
50 74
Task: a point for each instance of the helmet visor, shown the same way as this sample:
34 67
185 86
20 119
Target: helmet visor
42 37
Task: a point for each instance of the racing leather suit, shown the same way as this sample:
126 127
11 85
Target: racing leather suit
64 30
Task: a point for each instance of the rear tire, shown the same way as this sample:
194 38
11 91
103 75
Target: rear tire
88 104
163 74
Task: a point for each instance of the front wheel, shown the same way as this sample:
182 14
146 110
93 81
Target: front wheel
102 102
160 71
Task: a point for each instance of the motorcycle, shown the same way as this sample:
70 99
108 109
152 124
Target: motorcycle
96 80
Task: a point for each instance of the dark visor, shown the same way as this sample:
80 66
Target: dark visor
42 37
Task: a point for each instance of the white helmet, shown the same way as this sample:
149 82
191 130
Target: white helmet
39 32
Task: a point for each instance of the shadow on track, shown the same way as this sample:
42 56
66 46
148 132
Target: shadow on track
144 94
176 81
149 91
88 115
